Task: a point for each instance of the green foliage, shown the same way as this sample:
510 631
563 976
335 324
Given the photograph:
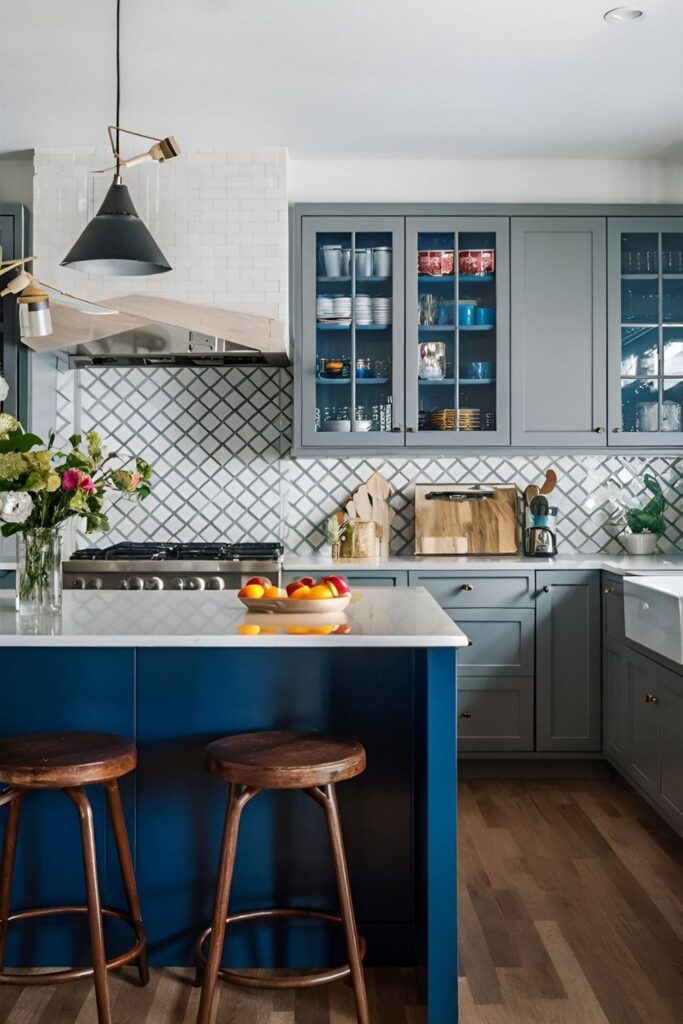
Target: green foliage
649 519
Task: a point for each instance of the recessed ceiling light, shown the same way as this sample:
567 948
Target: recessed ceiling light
624 14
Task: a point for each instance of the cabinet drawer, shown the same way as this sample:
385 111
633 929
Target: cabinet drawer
502 641
472 590
495 714
613 607
6 579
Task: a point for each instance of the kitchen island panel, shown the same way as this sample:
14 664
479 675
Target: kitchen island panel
185 699
50 690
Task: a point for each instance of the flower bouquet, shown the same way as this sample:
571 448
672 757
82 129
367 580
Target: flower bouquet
40 488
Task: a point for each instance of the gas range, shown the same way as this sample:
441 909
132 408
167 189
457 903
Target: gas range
152 566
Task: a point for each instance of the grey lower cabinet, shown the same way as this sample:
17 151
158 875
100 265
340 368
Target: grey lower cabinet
615 713
671 746
568 661
642 762
6 579
496 672
558 331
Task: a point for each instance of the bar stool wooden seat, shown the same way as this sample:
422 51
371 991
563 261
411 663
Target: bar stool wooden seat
313 763
69 761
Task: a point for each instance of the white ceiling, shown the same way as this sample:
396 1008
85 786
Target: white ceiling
427 78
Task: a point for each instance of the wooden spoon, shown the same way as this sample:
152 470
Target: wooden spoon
531 492
550 481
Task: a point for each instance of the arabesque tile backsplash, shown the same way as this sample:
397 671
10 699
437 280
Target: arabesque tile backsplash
218 441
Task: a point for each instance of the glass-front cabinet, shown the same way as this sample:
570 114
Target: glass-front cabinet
457 332
352 332
646 331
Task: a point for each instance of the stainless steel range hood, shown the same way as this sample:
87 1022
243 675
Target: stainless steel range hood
146 330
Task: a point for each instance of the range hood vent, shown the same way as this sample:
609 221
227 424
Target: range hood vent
145 330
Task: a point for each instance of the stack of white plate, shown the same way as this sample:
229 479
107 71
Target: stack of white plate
333 309
381 310
363 310
342 308
324 307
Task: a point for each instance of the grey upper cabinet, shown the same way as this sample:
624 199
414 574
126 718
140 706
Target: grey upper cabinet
645 260
350 374
568 661
559 331
457 332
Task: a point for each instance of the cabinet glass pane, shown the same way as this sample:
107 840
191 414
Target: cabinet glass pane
354 330
456 357
651 344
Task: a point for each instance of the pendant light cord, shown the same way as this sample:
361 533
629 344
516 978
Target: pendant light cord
118 81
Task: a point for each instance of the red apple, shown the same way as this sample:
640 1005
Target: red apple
307 581
340 584
261 581
294 585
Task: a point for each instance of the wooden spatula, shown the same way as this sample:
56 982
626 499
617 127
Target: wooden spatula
550 481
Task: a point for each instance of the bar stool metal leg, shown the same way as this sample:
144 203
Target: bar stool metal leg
11 796
327 798
127 871
236 804
77 795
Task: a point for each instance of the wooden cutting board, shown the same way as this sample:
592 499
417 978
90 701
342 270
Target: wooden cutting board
482 526
371 503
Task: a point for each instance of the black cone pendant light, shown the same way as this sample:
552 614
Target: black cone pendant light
117 242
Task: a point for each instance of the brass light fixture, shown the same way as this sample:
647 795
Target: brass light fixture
32 300
116 242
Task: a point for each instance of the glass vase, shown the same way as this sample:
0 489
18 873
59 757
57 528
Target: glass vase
39 571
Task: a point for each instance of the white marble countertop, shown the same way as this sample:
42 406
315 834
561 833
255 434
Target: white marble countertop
626 564
377 617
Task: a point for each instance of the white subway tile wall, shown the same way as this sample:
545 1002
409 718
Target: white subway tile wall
218 439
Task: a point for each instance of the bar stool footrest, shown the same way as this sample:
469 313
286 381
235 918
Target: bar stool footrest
73 973
322 977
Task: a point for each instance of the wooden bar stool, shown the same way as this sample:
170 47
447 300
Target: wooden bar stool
69 761
281 760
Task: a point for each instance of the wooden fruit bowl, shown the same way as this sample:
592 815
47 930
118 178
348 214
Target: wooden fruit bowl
298 606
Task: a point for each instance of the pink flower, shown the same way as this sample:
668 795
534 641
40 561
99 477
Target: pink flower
135 479
71 480
74 480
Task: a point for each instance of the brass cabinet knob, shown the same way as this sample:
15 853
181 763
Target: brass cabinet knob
467 586
598 430
608 590
616 430
547 588
397 429
410 430
651 699
466 714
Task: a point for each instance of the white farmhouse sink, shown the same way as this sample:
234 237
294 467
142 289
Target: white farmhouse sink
653 614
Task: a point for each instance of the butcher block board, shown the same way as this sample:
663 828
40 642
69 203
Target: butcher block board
484 526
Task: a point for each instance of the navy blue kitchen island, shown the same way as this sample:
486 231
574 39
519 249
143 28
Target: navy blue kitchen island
174 671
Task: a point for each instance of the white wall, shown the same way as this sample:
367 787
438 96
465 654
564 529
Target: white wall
471 181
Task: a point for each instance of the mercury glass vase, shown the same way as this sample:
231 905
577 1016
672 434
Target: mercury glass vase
39 571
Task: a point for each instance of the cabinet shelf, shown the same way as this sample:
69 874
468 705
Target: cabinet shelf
359 327
429 328
359 280
640 277
347 380
476 278
450 278
468 381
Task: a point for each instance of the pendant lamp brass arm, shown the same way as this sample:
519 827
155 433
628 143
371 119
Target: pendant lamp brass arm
163 149
7 265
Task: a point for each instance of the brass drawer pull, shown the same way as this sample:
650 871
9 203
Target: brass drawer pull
547 588
466 714
608 590
651 699
467 586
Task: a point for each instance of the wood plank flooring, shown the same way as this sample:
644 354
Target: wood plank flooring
571 912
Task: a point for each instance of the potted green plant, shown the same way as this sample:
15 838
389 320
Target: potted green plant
645 525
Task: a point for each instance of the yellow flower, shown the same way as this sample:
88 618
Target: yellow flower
7 424
53 482
12 464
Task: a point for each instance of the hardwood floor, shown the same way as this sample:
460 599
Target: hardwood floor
571 912
571 906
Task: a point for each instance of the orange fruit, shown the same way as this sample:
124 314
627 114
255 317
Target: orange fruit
252 590
319 592
246 629
302 591
274 592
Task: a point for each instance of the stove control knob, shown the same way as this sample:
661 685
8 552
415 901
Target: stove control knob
135 583
215 583
78 583
123 584
177 583
154 583
194 583
94 583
